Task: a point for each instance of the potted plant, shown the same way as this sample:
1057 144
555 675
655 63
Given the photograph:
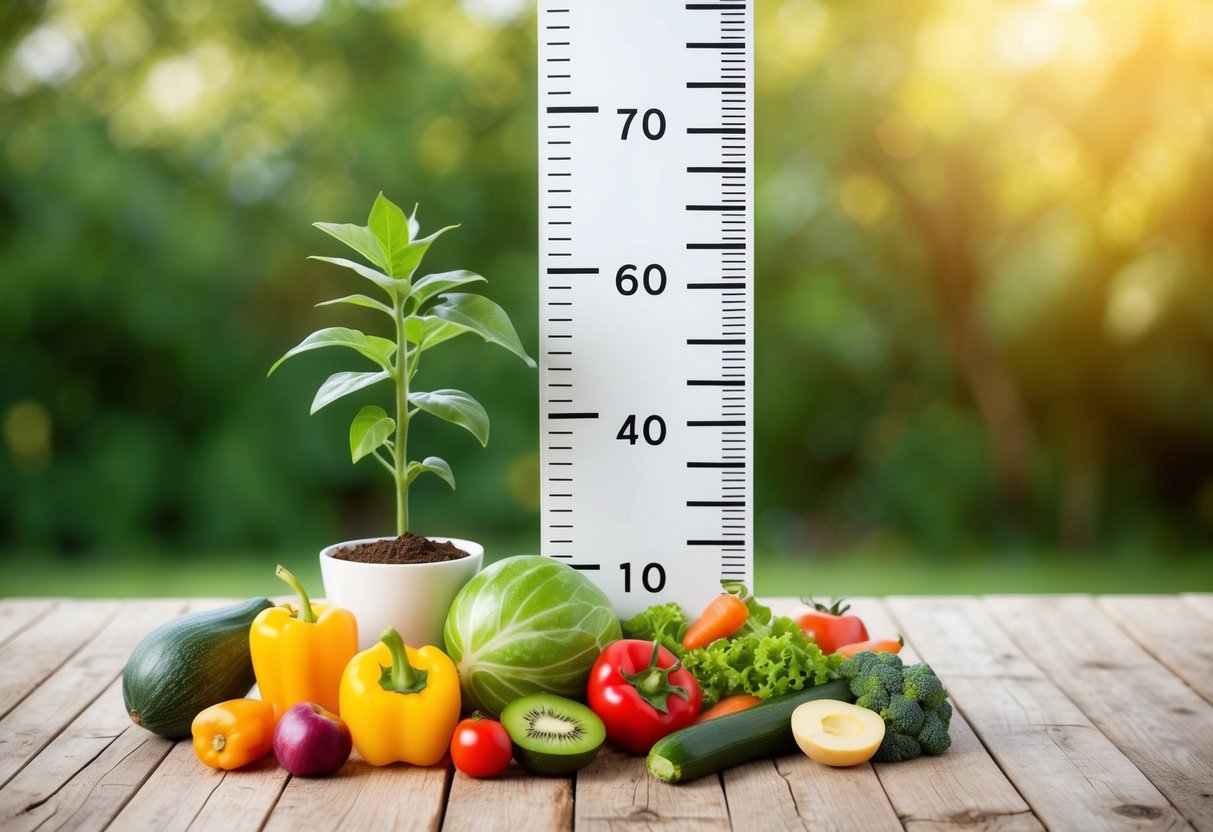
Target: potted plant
406 581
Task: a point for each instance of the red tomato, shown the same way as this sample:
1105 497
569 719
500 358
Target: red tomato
642 693
829 627
481 747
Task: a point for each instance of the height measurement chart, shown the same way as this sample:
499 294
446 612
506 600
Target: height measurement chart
646 289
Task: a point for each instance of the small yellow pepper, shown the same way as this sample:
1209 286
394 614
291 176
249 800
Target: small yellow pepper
298 656
401 704
234 733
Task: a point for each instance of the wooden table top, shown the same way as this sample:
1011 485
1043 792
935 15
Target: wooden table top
1072 713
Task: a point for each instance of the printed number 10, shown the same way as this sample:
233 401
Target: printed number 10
652 577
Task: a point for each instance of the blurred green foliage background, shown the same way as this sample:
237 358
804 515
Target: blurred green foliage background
984 285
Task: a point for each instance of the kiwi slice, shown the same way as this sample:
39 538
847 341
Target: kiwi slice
551 734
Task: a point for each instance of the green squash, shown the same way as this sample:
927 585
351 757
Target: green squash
189 664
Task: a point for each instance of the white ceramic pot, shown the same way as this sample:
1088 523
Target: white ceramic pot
412 597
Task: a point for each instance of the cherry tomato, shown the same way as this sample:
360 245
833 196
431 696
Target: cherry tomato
830 627
642 693
481 747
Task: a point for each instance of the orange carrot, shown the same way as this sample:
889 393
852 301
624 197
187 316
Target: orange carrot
729 705
875 645
720 619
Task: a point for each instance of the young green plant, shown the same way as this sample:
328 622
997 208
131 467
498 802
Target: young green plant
424 313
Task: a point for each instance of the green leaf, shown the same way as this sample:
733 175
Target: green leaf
359 300
387 222
379 350
410 258
435 284
414 329
342 384
456 407
480 315
435 331
434 465
369 430
359 238
377 277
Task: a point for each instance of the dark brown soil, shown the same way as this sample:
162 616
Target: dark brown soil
408 548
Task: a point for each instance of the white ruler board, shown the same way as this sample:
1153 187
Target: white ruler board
646 290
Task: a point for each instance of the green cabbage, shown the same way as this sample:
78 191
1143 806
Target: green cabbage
524 625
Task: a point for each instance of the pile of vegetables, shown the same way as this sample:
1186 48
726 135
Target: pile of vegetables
761 656
538 645
529 640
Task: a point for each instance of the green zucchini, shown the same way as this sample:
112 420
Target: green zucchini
187 665
764 730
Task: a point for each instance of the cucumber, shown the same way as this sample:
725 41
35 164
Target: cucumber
187 665
764 730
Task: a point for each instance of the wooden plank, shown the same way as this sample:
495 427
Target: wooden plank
793 792
1202 602
182 793
38 650
616 792
512 800
82 779
1071 775
961 789
70 689
18 613
1172 631
1157 721
364 797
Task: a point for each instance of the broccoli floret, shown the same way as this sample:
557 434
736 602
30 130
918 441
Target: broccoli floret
857 665
905 716
867 684
897 747
848 670
924 688
945 712
889 659
934 735
877 700
910 699
889 676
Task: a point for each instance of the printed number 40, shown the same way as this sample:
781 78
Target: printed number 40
653 430
652 577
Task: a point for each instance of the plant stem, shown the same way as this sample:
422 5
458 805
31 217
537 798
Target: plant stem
400 449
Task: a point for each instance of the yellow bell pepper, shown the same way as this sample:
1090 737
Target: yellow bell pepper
299 655
234 733
401 704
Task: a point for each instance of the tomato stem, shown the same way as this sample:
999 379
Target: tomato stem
653 682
